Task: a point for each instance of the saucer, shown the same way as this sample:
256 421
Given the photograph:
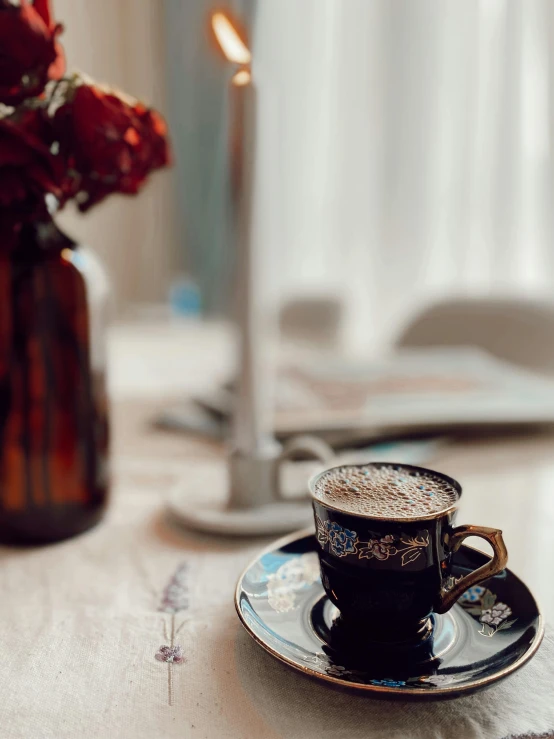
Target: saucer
492 631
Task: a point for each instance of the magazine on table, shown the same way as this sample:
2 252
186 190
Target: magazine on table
411 391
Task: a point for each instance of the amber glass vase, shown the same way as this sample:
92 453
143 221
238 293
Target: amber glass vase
53 410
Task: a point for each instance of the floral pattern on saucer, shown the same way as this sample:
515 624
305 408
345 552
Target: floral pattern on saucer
326 664
295 628
493 615
291 577
472 595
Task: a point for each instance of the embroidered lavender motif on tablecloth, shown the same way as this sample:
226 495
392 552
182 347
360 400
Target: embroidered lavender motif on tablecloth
170 654
175 600
175 597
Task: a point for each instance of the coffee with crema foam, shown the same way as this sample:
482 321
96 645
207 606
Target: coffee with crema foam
385 491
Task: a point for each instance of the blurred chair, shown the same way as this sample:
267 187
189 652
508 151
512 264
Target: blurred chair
517 330
313 320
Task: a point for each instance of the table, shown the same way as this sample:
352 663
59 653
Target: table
81 622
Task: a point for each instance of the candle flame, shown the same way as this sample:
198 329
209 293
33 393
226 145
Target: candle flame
241 78
229 40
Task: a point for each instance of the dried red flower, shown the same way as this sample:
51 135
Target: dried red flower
28 169
30 54
112 142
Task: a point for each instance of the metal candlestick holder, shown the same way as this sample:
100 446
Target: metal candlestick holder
256 504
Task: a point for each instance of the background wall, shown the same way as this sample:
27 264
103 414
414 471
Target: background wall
415 148
122 42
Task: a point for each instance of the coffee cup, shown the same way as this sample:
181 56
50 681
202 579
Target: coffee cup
386 545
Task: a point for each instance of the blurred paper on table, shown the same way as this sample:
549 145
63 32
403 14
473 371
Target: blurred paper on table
410 391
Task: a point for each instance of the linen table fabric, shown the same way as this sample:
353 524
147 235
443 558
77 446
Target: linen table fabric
82 623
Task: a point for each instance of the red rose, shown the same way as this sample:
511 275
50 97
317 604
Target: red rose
29 52
28 169
154 151
57 68
112 142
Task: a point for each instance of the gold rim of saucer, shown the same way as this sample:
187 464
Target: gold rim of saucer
414 691
396 519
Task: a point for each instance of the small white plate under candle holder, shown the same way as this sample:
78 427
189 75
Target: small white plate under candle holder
257 504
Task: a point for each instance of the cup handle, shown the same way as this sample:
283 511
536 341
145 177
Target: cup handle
312 446
494 566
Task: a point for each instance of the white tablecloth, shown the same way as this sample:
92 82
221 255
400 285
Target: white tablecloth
80 628
81 625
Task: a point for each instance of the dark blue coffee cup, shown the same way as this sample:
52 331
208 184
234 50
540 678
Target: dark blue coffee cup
388 575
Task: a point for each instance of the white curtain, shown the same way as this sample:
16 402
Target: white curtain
416 155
